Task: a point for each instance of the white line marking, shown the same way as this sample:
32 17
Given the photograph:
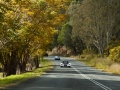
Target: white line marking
92 80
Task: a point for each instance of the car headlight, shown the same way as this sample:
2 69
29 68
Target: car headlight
61 63
69 64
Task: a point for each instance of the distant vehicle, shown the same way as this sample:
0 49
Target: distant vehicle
57 57
65 64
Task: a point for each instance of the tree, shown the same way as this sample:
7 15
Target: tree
95 21
29 28
65 35
72 42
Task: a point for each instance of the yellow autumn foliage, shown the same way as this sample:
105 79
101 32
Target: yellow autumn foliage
39 20
115 54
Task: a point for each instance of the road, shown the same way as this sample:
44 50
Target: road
78 77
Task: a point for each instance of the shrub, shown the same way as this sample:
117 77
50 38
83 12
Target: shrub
82 56
85 51
115 54
115 68
103 63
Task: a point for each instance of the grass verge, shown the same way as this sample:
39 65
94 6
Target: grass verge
15 79
104 64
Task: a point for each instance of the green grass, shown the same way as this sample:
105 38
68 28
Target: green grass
15 79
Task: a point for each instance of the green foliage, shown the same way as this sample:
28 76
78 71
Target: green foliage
72 42
65 35
78 44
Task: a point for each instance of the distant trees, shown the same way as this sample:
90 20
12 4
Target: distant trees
65 36
95 22
67 39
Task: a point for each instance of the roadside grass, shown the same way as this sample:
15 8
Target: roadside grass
15 79
104 64
115 68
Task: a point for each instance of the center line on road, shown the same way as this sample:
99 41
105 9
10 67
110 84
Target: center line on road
92 80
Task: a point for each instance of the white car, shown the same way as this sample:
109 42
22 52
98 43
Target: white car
65 64
57 57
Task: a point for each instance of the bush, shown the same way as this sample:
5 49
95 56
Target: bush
115 54
82 56
115 68
85 51
103 63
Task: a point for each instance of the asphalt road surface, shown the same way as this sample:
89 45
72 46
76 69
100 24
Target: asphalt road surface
78 77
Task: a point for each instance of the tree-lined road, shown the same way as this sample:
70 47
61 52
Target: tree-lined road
78 77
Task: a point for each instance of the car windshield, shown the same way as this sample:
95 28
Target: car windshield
56 56
65 62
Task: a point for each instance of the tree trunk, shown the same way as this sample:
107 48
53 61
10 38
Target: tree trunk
10 65
36 61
